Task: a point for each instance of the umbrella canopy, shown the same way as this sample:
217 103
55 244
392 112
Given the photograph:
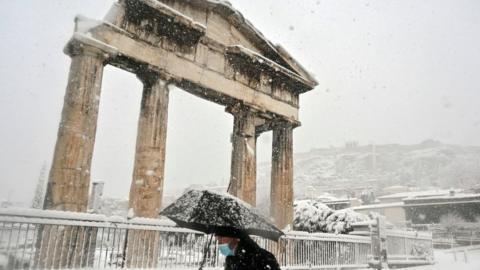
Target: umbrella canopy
222 214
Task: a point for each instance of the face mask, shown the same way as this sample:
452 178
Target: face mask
225 250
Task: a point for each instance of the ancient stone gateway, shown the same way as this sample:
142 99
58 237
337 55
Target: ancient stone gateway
204 47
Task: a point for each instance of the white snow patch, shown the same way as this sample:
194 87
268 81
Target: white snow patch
446 261
89 40
131 213
113 13
249 148
84 24
314 216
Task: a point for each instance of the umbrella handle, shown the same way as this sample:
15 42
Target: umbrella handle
207 247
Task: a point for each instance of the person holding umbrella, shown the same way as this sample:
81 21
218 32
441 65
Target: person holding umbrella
231 220
244 254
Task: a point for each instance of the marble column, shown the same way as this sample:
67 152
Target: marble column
69 177
281 193
243 164
148 175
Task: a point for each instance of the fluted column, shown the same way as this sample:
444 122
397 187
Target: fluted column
147 184
244 148
69 177
281 194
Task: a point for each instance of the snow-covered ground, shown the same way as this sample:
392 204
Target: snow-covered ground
446 261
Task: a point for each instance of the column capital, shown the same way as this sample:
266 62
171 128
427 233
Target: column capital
240 109
81 44
275 123
244 120
149 76
284 123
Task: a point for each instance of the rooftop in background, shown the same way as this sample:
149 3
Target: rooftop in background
378 205
398 197
461 198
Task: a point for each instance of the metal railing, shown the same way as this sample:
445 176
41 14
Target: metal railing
409 247
452 235
321 251
397 248
42 239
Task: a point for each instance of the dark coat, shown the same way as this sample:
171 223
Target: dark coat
249 256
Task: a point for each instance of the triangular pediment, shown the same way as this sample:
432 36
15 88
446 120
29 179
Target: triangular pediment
227 26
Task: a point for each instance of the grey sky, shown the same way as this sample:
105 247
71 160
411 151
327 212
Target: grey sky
389 72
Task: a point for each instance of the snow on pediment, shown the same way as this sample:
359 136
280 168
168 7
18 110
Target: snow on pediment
154 16
228 27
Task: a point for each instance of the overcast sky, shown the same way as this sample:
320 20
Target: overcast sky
389 72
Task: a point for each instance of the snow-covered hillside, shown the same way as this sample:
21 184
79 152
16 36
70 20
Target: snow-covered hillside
430 163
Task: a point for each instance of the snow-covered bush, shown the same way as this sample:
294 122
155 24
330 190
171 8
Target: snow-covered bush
313 216
310 215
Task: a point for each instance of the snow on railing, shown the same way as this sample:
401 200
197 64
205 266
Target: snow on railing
396 247
45 239
407 247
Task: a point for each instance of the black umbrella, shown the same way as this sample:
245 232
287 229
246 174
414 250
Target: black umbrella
222 214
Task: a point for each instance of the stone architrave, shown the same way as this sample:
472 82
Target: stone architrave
243 163
149 168
281 193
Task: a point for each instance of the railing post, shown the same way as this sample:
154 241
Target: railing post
465 254
337 255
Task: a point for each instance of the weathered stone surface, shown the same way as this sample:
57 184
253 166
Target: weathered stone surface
70 172
244 142
149 168
281 194
181 69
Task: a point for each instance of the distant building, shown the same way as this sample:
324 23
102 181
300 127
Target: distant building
96 196
350 188
351 144
428 210
342 203
394 212
426 207
5 203
399 197
395 189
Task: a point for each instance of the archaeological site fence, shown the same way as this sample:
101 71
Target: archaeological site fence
395 248
407 248
42 239
452 235
46 239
